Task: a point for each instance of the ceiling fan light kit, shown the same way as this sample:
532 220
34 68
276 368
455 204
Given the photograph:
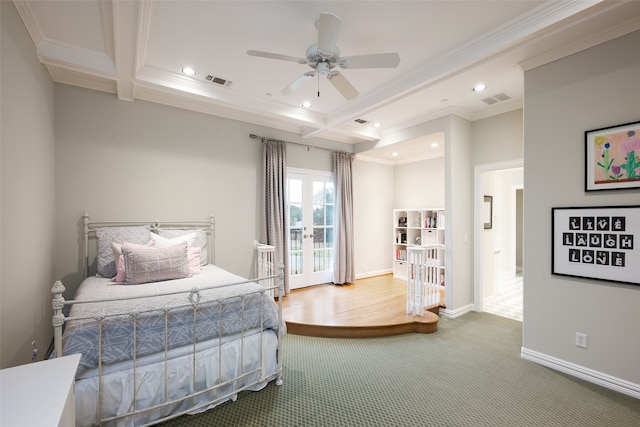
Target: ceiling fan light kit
324 56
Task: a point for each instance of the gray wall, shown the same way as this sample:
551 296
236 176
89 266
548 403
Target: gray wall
373 189
28 195
143 161
497 139
595 88
419 184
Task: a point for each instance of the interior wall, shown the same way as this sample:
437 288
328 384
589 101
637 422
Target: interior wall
595 88
373 189
506 219
459 222
419 184
498 138
143 161
519 261
28 202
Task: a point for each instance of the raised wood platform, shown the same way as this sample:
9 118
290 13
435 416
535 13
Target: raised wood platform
370 307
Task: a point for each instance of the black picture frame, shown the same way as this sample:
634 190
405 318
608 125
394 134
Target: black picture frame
487 211
601 243
611 157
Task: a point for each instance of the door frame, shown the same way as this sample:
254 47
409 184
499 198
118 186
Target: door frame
309 172
478 222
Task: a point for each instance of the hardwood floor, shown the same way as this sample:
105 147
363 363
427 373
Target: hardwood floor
370 307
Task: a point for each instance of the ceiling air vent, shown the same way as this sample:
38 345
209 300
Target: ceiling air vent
496 98
217 80
361 121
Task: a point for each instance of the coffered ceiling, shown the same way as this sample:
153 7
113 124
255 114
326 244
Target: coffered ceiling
137 49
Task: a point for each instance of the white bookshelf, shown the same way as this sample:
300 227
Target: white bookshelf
418 228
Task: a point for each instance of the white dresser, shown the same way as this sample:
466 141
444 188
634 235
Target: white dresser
39 394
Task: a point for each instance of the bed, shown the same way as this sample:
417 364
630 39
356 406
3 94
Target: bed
162 330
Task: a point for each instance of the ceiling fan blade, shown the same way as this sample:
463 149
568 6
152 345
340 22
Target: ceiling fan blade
328 30
298 82
342 84
276 56
376 60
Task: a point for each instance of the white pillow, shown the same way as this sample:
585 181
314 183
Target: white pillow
200 240
162 242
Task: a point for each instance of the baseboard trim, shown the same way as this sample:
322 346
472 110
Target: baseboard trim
452 314
578 371
373 273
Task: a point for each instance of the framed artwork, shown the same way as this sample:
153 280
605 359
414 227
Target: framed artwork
612 157
600 243
487 212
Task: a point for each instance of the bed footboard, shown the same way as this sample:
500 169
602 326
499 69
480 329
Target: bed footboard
147 388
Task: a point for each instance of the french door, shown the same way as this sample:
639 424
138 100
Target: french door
310 200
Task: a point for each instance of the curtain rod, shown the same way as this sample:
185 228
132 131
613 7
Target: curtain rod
254 136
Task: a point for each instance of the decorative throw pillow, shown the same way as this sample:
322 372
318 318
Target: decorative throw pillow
121 275
144 265
106 266
199 241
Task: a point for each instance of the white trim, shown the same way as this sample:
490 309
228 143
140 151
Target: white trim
596 377
478 223
513 268
301 171
452 314
374 273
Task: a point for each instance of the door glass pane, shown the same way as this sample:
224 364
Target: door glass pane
295 251
295 190
318 192
296 241
322 226
318 215
329 192
329 215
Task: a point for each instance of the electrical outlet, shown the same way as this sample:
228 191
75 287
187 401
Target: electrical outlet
581 340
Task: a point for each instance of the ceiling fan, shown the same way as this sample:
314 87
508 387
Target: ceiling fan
324 56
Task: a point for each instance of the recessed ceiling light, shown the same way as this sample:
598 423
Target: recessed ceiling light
376 125
306 104
479 87
394 154
434 144
188 71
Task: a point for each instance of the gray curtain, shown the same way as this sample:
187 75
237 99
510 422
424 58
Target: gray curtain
274 208
343 271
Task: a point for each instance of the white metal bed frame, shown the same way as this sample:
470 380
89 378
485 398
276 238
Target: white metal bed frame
272 284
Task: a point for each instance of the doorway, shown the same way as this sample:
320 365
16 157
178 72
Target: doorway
498 266
310 204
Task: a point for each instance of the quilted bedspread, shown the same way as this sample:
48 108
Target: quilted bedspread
221 311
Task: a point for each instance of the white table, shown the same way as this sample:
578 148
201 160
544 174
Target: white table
39 394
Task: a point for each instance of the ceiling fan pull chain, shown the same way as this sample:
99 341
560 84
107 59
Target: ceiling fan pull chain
318 85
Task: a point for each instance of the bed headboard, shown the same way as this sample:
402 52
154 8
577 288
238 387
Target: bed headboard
90 227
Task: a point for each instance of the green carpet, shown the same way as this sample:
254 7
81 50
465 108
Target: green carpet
469 373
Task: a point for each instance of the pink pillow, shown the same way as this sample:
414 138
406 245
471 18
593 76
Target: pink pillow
193 258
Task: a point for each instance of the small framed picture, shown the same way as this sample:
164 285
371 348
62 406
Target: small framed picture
487 212
418 240
612 157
